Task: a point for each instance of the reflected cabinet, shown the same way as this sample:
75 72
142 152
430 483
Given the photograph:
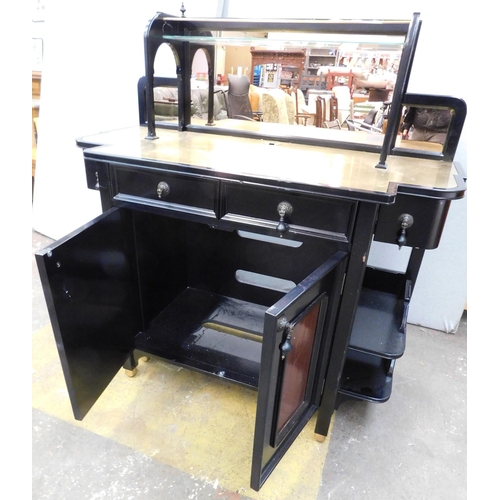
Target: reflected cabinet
241 251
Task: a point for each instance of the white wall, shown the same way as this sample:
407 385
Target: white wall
94 56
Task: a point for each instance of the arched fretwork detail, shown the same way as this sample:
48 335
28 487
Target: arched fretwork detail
157 30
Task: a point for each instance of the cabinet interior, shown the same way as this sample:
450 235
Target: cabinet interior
205 292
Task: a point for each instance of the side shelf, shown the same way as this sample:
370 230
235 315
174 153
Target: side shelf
380 324
366 377
378 336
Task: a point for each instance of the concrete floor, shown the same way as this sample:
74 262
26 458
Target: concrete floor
412 447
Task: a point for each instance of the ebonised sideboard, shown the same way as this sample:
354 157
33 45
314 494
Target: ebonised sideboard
243 254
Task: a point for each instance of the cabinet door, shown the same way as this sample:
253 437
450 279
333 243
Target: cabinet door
296 329
90 286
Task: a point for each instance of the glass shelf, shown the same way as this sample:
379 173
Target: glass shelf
280 43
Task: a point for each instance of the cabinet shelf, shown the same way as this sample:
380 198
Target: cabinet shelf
366 377
210 333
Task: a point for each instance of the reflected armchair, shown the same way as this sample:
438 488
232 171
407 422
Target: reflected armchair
237 98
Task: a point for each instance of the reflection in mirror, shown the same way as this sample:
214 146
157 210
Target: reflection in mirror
337 92
199 91
166 104
425 128
321 88
165 97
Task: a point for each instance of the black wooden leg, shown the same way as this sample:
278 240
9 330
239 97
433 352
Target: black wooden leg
130 365
362 238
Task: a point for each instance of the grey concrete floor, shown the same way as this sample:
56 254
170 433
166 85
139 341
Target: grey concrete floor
413 447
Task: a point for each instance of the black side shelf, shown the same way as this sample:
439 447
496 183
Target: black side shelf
366 377
378 336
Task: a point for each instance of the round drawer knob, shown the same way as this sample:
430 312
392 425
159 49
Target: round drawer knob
284 209
162 189
405 221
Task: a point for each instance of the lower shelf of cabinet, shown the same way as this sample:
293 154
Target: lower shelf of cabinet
367 377
210 333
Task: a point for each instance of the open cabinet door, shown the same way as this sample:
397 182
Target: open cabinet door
90 286
296 329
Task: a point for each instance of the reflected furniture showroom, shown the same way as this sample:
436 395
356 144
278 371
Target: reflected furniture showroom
239 248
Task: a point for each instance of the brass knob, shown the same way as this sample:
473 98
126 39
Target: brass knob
162 189
405 221
284 326
286 347
285 209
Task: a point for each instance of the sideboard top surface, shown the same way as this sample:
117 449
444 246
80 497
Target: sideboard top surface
255 160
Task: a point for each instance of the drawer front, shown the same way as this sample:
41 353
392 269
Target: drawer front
257 206
428 216
184 193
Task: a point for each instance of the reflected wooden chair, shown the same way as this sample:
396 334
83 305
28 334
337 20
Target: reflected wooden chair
345 103
327 112
313 82
338 78
302 114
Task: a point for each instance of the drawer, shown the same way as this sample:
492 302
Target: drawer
427 216
182 193
257 206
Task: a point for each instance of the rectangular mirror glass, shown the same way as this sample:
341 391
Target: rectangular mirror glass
292 85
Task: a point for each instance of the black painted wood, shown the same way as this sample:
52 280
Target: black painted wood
365 223
321 216
377 325
429 216
192 331
366 377
265 455
161 275
89 280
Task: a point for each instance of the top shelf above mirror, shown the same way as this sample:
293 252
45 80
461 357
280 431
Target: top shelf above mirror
328 26
284 33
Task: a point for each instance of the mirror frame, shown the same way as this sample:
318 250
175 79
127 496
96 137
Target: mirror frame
454 104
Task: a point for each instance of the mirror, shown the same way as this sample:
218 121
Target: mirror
290 72
313 82
434 122
286 64
286 80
